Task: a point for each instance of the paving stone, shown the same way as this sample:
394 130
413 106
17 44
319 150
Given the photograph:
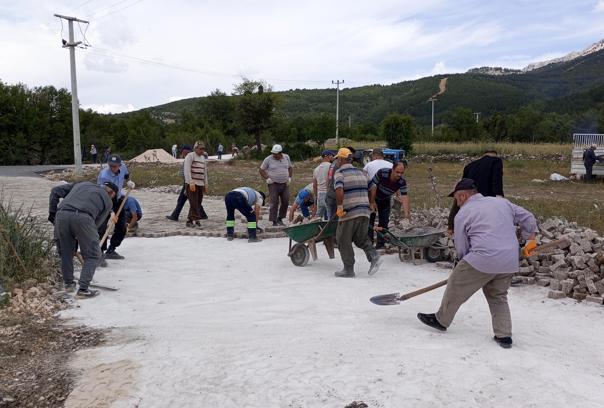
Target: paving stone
556 294
595 299
579 296
554 284
543 282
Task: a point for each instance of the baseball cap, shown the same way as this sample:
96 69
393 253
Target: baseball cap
111 186
463 184
277 149
115 159
343 153
328 153
199 145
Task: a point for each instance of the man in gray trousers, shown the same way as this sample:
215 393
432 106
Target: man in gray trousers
84 208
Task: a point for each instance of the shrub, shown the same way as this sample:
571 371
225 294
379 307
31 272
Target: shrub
26 249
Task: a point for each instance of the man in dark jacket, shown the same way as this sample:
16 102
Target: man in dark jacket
589 159
85 207
487 173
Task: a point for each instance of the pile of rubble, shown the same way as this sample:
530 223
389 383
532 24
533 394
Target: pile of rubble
575 269
42 300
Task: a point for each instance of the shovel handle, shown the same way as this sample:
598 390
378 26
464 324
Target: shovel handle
423 290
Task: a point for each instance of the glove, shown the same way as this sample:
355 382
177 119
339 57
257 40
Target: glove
529 247
340 211
289 180
130 184
269 181
192 187
51 218
373 207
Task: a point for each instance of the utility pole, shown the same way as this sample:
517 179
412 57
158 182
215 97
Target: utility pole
349 121
477 114
432 99
75 104
338 82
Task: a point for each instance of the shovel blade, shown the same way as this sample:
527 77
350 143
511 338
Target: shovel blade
386 300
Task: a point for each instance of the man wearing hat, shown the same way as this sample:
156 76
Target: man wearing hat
277 170
182 196
352 199
116 173
196 178
488 253
319 184
83 210
589 159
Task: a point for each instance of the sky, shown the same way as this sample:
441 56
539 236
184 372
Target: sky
148 52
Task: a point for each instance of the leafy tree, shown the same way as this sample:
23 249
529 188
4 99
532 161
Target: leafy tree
256 107
398 131
462 121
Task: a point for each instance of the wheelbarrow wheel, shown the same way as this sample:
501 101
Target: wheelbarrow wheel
300 255
434 254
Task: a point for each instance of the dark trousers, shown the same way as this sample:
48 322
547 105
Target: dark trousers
71 229
195 199
353 231
180 203
236 201
383 215
94 158
588 171
331 205
279 192
119 231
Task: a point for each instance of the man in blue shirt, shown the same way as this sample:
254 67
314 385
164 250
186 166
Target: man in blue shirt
305 200
134 213
488 253
116 173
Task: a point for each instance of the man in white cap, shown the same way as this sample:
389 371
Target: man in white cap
277 170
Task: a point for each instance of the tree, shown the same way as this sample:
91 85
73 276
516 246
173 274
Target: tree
398 131
256 106
463 122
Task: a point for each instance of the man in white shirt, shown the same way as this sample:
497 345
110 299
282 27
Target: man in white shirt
319 184
377 163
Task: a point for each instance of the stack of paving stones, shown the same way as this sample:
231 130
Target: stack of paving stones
575 269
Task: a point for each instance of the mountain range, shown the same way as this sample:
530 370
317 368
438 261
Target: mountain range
559 84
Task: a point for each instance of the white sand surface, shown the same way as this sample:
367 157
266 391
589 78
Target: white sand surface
202 322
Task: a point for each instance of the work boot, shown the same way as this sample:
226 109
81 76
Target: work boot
102 262
275 224
280 222
190 224
430 320
87 293
171 218
376 262
345 273
113 255
230 237
253 239
198 223
70 287
505 342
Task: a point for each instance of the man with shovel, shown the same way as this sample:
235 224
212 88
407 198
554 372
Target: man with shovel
487 249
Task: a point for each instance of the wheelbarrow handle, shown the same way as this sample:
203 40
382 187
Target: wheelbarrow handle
386 234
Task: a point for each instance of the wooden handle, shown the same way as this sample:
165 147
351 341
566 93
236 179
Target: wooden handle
423 290
117 214
553 244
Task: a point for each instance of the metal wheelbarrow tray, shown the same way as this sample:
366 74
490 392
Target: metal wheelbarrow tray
422 241
307 236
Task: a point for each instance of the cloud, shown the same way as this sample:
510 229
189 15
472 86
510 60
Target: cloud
599 7
110 108
104 63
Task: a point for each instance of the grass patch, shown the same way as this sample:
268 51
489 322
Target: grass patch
25 247
477 149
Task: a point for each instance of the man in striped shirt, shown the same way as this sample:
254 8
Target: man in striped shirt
385 184
196 177
352 200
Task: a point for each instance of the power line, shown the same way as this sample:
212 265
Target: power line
81 5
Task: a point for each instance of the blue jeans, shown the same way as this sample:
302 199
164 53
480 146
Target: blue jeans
237 201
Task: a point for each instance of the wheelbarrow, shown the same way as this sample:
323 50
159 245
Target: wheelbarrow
307 236
418 243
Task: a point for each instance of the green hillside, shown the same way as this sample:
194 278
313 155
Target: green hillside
483 93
